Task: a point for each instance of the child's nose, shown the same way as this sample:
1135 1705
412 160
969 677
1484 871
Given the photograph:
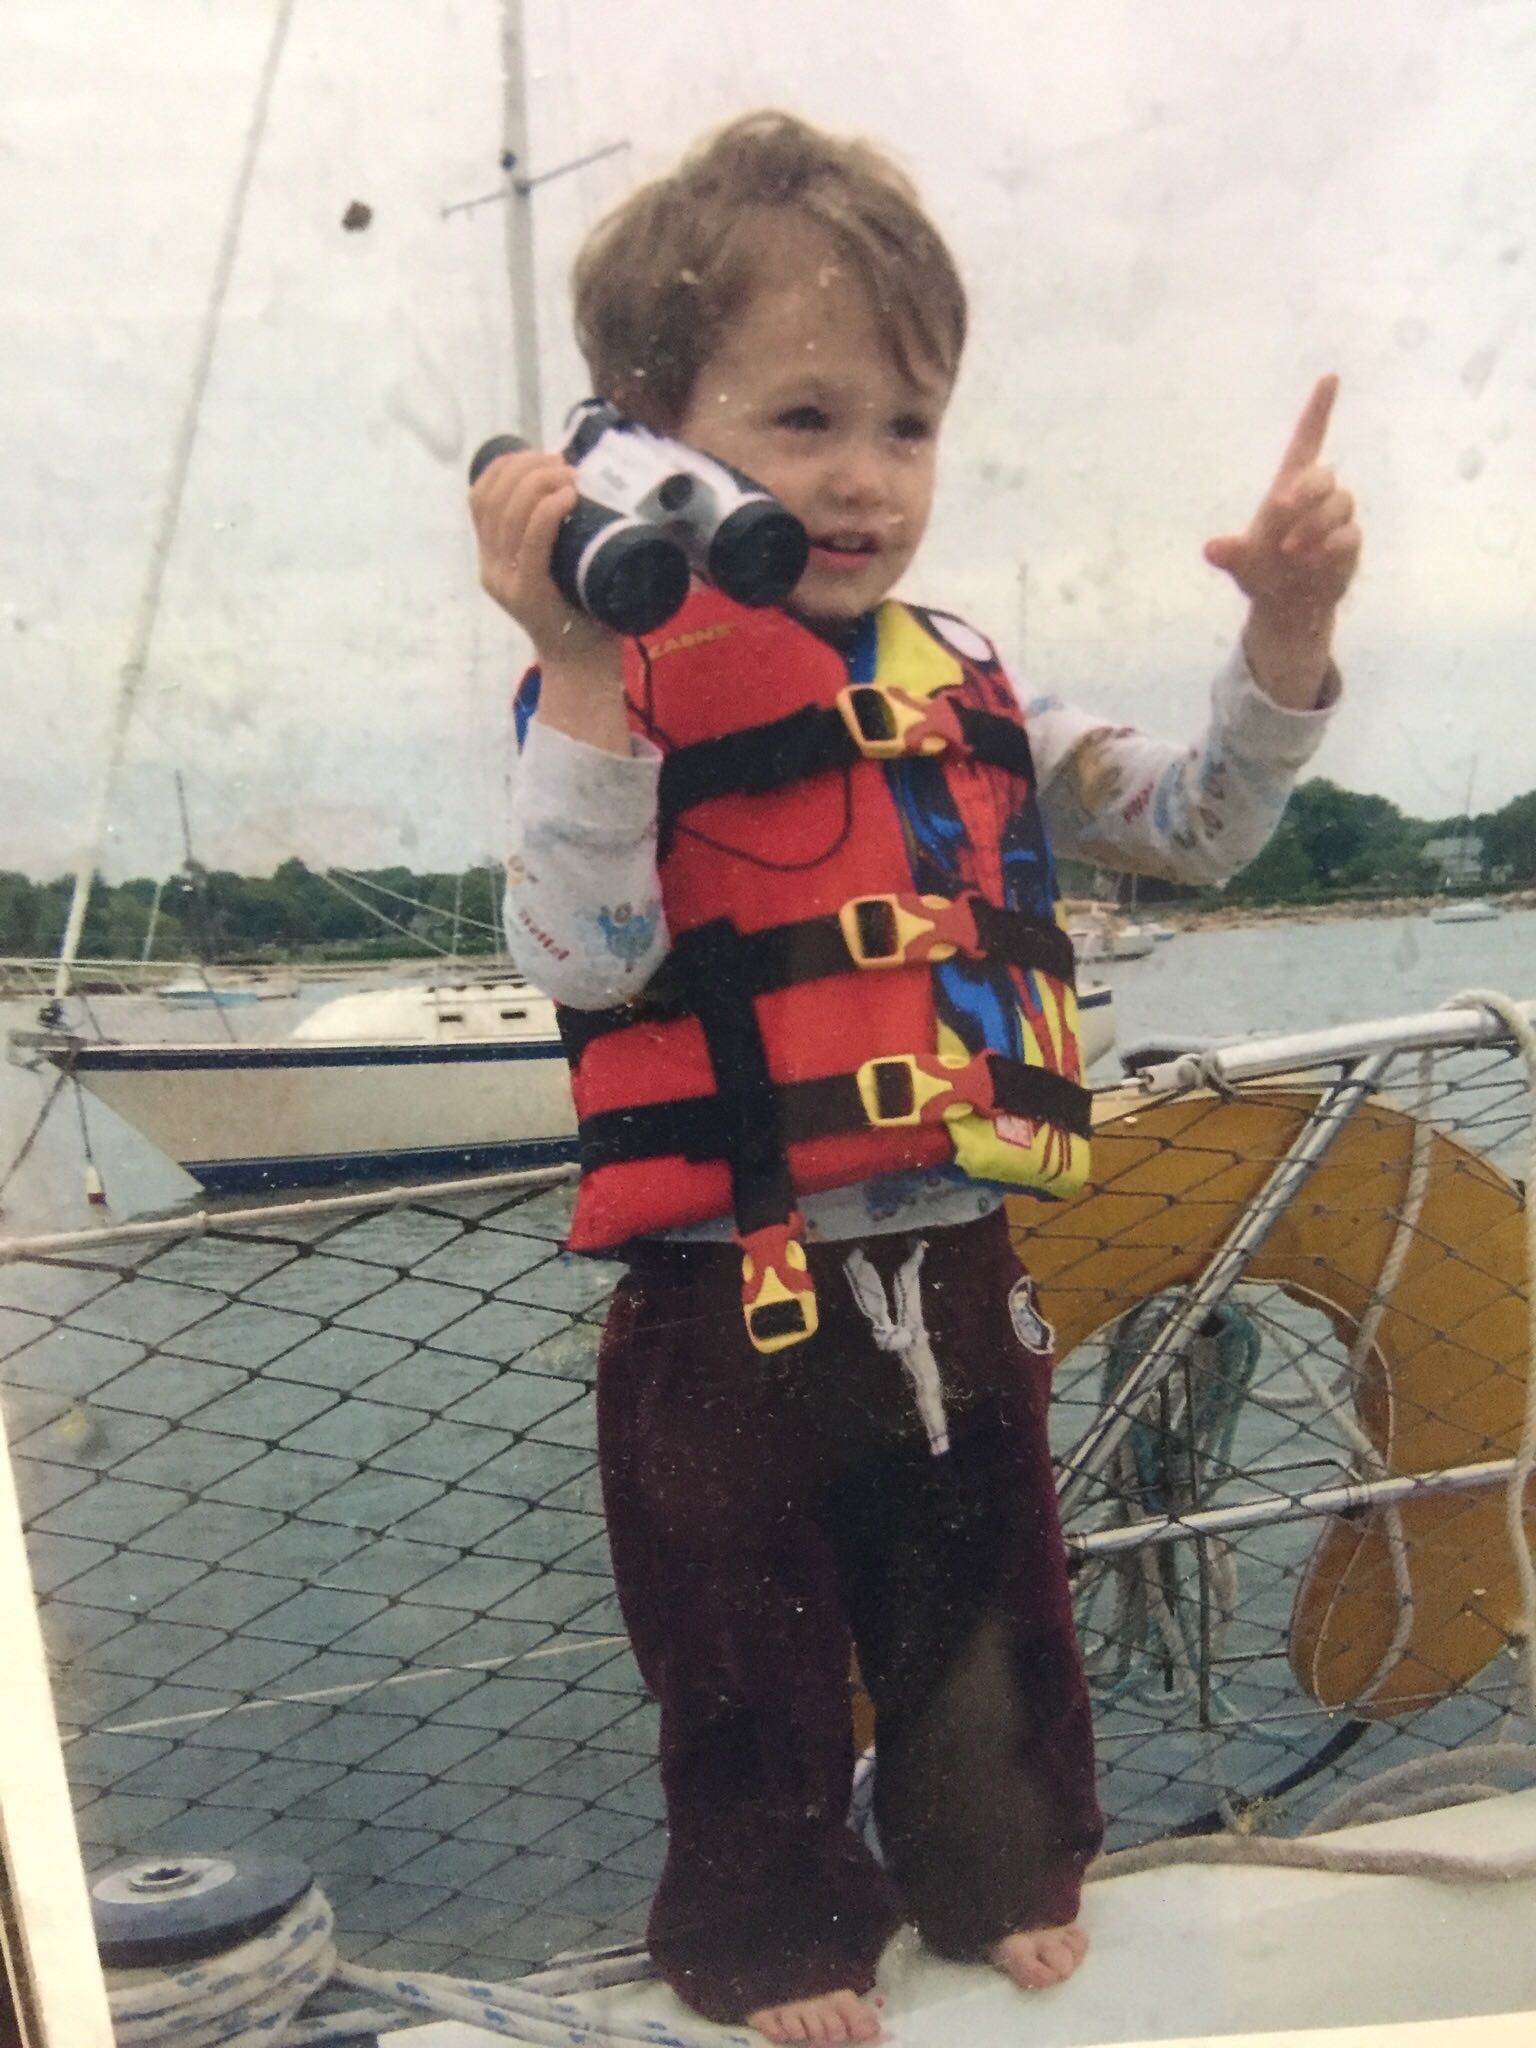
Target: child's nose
858 474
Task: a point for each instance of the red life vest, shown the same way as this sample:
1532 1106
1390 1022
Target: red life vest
821 1018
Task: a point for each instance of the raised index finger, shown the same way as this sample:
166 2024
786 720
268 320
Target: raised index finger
1309 432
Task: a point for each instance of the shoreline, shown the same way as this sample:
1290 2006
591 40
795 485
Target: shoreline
1241 916
22 977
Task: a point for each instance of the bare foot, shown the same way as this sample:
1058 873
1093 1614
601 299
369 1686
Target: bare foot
835 2016
1039 1956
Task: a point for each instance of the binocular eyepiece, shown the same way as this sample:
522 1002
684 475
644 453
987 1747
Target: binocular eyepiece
650 514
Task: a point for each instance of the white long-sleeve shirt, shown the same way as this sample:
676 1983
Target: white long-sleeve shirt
583 909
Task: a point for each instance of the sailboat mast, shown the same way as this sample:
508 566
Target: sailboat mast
131 674
154 919
1464 841
519 225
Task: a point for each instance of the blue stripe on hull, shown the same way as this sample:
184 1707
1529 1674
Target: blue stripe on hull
244 1176
218 1059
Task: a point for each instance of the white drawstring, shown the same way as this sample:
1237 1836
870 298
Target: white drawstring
905 1333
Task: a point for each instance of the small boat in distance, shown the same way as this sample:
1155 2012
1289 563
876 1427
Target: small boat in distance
1099 931
1471 910
229 987
1461 861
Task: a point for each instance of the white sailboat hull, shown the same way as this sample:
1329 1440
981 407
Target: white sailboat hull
314 1109
294 1115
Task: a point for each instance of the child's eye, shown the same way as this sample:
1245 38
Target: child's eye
804 419
911 426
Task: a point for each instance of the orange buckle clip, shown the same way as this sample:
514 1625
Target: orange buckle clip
778 1295
907 931
908 1088
887 722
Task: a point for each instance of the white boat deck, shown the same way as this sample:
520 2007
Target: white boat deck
1191 1954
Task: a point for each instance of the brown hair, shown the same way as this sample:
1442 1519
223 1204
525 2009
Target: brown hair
660 278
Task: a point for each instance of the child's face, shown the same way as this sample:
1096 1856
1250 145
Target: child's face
804 394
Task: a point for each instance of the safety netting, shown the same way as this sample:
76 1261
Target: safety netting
313 1512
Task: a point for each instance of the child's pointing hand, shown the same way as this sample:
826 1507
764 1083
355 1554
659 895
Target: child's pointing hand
1302 547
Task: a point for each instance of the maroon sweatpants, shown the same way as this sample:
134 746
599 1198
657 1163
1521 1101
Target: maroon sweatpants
765 1514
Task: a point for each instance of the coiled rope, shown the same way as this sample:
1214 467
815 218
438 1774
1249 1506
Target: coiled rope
250 1997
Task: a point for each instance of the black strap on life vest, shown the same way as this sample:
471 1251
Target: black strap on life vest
759 758
778 1295
747 1133
701 1127
809 949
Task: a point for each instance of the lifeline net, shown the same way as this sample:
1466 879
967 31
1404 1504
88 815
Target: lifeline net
313 1515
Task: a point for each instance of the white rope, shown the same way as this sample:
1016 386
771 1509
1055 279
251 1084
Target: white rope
900 1328
249 1997
518 2015
1410 1779
1274 1852
1372 1465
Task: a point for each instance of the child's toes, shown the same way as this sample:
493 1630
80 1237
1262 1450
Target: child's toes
831 2020
1057 1958
1019 1958
1038 1957
859 2021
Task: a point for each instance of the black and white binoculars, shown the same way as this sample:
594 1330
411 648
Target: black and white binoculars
651 514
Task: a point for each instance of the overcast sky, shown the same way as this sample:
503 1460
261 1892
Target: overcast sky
1172 218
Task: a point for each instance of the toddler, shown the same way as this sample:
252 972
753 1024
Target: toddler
789 876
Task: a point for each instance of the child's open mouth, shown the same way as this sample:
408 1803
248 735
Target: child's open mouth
844 550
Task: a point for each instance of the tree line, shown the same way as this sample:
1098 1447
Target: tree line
215 914
1334 842
1331 843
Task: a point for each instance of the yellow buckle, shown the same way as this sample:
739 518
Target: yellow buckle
903 926
920 1087
886 722
778 1296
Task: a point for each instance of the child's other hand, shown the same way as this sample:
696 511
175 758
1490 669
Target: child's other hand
517 505
1302 547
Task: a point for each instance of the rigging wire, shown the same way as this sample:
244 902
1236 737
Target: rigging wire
459 915
327 874
197 876
131 674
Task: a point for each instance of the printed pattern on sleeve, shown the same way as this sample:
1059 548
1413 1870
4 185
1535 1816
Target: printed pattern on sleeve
1115 795
583 909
